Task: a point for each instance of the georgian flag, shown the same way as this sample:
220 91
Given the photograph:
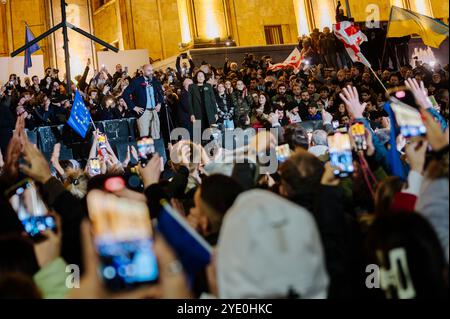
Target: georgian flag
352 38
294 60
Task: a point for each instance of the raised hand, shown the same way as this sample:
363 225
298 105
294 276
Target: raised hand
328 177
151 172
415 151
49 249
419 91
437 139
351 99
36 165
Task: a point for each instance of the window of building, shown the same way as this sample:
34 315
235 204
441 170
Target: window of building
274 34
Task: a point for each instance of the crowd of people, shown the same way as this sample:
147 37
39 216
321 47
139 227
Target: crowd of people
299 232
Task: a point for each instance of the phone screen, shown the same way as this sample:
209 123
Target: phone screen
406 112
283 152
409 120
94 166
341 154
358 132
101 141
31 210
123 238
145 149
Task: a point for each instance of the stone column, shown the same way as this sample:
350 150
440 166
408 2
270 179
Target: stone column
302 17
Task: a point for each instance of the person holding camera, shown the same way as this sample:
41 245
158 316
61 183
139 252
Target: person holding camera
183 70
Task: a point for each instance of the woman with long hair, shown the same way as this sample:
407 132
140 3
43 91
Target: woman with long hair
202 102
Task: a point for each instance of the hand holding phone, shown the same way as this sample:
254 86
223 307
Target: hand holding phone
30 208
406 111
94 166
283 152
145 149
123 239
341 154
101 139
358 133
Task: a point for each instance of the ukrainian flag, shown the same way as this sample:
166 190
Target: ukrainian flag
403 22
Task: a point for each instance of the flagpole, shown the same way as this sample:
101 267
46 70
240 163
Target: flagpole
385 41
379 80
93 124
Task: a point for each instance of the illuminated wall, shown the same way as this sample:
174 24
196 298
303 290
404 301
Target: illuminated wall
183 15
13 16
358 8
323 13
209 19
440 9
160 25
398 3
300 10
250 17
421 6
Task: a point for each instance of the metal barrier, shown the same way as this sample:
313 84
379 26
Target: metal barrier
120 133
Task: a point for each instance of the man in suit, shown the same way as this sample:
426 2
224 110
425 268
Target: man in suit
145 96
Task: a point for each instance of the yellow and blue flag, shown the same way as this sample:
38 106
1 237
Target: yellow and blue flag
80 118
403 22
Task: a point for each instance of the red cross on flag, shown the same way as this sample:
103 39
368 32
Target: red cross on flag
352 38
294 60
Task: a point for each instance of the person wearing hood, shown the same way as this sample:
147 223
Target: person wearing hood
259 226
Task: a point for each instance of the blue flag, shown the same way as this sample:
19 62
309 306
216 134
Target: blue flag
28 52
80 118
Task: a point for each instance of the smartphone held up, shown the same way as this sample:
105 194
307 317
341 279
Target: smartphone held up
123 239
406 112
30 208
145 149
358 132
341 154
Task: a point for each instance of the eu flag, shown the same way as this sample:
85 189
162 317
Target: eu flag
80 117
28 52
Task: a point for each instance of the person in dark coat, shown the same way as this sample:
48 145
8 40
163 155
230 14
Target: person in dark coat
145 97
7 120
183 109
202 102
